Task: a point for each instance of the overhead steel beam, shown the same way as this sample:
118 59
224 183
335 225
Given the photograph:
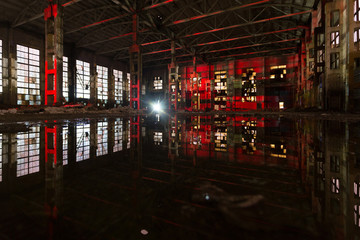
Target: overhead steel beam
216 13
227 56
254 45
227 49
212 30
97 23
256 52
109 39
244 37
117 17
246 24
40 15
191 19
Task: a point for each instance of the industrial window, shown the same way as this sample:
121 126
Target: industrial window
320 40
82 142
356 10
28 72
65 139
158 83
118 86
118 135
335 185
335 39
158 138
278 72
334 60
1 84
334 164
128 85
356 35
102 83
82 79
28 152
66 78
335 18
102 138
357 215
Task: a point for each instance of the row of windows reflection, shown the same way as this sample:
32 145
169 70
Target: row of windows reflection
28 144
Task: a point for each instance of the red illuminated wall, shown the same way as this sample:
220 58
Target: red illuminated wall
235 69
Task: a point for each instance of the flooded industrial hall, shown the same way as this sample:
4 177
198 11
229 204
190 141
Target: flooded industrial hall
190 177
179 119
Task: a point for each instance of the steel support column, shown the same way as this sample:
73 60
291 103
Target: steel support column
194 86
174 97
135 67
53 16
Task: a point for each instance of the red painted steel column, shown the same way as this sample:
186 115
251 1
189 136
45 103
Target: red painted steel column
135 66
53 16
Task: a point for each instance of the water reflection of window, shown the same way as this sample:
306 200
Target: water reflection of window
28 152
102 137
335 185
129 135
357 215
65 138
158 138
118 135
357 188
0 157
82 142
221 140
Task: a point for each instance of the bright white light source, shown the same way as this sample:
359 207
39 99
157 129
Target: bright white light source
157 107
281 105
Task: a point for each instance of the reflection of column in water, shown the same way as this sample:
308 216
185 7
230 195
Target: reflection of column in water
53 177
173 143
9 159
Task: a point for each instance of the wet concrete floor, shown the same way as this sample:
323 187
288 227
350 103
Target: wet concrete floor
180 177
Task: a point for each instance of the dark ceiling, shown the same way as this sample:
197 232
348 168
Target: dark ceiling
211 29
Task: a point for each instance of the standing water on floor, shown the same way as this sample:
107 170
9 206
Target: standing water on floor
180 177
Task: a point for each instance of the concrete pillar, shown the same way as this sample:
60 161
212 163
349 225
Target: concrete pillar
194 81
111 135
53 15
9 158
9 69
173 94
72 144
93 139
111 88
93 81
72 74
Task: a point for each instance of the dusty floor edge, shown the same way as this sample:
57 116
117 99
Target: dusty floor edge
98 114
